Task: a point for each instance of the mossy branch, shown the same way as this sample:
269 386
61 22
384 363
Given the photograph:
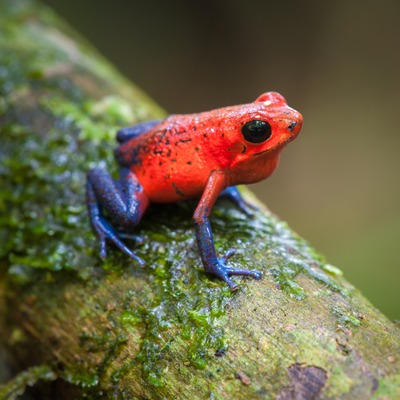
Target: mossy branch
112 330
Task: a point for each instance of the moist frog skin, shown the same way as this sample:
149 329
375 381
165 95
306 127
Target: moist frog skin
203 155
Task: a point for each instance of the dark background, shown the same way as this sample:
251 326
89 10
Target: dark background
338 62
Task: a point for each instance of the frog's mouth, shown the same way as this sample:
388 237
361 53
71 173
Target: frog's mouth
278 146
293 130
262 152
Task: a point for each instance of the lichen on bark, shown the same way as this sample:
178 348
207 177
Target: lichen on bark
112 330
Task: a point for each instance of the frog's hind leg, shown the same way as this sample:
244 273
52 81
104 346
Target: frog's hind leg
125 134
123 200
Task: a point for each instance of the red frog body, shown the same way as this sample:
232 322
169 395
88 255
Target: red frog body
195 155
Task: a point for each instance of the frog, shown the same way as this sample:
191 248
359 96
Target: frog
201 156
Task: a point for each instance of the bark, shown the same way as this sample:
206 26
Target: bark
72 326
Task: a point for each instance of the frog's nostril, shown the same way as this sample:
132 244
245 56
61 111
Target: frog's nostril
292 125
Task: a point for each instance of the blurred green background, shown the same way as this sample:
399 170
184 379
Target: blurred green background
338 62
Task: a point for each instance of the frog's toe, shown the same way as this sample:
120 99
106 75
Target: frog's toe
232 285
138 239
228 254
224 272
122 246
247 208
103 250
244 272
106 232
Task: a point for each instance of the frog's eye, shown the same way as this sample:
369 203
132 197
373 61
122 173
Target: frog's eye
256 131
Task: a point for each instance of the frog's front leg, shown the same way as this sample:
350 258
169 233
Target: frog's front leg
212 264
123 200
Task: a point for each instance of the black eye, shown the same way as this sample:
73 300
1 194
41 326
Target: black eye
256 131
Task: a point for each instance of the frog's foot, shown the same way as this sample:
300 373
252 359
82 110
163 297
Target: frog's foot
223 272
106 232
246 207
233 194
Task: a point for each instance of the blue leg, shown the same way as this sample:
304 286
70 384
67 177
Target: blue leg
212 264
124 201
124 134
233 194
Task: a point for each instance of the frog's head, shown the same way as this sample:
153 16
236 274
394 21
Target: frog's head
269 124
261 131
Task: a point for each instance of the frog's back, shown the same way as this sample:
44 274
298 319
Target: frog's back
169 160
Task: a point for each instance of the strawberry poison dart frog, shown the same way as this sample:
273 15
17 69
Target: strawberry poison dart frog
200 155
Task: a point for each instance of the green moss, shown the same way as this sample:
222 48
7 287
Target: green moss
111 109
176 304
128 319
287 254
345 317
88 116
188 308
82 379
16 387
388 388
60 143
24 177
331 269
